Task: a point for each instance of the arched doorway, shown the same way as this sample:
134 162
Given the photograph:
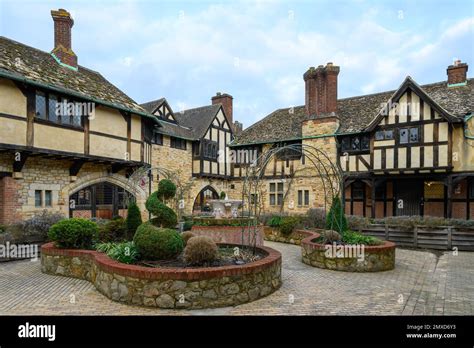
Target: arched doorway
201 203
102 200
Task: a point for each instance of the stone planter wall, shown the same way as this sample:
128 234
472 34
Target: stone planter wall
229 234
273 234
167 287
375 258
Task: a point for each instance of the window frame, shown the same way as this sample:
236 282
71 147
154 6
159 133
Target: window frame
153 139
40 204
58 121
303 198
210 149
349 140
275 194
174 141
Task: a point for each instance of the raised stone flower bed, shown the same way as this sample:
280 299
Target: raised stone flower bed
372 258
190 288
230 234
273 234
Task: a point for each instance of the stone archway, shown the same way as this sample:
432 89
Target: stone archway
200 202
98 178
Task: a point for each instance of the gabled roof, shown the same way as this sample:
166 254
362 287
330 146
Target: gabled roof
357 113
33 66
191 124
151 106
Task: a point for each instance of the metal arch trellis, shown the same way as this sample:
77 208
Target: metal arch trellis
329 173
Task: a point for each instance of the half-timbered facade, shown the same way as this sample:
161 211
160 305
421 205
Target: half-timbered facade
403 152
67 137
194 144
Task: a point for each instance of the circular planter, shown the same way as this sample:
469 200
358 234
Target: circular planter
230 234
274 235
190 288
348 258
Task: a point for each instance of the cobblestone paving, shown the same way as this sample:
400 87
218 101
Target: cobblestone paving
420 284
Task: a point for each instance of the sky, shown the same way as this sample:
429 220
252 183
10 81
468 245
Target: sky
257 51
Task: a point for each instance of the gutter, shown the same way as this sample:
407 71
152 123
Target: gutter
20 78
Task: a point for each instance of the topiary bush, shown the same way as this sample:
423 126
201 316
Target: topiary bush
200 250
114 230
288 224
74 233
155 243
164 216
336 220
134 219
186 236
166 189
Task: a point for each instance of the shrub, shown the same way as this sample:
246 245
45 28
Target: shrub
275 221
200 250
188 225
186 236
104 247
222 195
350 237
155 243
134 219
166 189
164 215
40 224
113 230
125 252
74 233
315 218
336 219
330 236
288 224
355 222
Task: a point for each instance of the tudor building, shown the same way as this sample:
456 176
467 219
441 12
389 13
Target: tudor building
403 152
67 135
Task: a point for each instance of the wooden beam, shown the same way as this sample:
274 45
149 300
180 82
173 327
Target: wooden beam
76 167
30 118
449 208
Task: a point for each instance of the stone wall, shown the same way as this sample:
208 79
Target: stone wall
274 235
375 258
230 234
169 287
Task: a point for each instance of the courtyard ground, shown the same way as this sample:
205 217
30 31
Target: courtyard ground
421 284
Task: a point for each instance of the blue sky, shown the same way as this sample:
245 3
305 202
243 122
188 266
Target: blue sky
256 51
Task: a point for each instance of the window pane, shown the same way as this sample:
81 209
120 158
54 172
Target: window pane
365 143
306 197
358 190
345 144
272 187
77 115
52 112
403 136
355 144
38 200
379 135
413 135
389 134
48 199
300 197
272 199
40 105
280 198
280 187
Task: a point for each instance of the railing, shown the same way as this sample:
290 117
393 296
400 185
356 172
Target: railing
441 238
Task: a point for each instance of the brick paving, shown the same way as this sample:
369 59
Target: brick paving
421 284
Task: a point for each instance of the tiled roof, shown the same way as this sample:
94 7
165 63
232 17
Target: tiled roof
25 63
355 113
151 106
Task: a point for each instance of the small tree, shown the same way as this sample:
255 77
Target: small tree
336 220
134 219
164 216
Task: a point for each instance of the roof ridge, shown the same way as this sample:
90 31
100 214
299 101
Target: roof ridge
199 107
45 52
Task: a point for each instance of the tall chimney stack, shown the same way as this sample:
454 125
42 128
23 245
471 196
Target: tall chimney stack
321 90
457 73
62 38
226 101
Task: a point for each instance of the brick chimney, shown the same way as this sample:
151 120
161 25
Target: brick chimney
226 101
457 73
321 90
238 127
62 38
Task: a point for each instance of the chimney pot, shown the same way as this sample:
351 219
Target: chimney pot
457 73
321 90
